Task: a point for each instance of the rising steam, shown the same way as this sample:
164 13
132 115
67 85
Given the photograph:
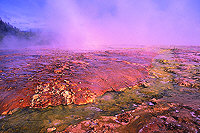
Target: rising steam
77 24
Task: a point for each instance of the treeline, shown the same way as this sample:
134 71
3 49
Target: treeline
8 30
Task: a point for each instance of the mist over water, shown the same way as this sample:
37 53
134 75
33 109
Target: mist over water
99 24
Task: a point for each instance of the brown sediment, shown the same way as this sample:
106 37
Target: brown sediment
48 78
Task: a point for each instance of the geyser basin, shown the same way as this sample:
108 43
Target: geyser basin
44 78
132 90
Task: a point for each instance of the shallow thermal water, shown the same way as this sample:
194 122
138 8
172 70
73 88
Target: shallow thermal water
124 90
40 78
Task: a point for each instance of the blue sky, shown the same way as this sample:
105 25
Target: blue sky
24 14
133 21
31 11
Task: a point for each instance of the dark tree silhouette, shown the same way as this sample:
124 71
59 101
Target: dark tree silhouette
7 29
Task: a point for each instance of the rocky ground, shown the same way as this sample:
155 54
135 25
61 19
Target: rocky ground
132 90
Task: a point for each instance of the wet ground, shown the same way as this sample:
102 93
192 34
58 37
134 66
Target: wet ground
126 90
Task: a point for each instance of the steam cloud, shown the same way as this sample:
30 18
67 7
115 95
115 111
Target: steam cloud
86 24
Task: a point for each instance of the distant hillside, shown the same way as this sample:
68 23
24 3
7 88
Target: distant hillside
6 29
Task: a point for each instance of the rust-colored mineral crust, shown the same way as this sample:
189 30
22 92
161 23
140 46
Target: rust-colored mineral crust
40 78
158 93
